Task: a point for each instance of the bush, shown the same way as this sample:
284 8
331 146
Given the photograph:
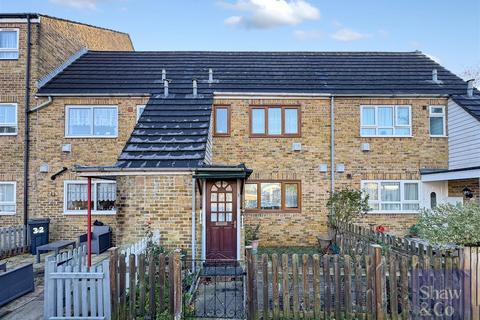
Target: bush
451 224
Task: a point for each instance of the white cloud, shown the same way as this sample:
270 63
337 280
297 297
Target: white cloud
266 14
345 34
78 4
304 35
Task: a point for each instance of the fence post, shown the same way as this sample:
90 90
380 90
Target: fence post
251 290
113 264
175 278
378 267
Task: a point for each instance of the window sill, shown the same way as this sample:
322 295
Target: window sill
273 211
410 136
439 136
91 137
392 212
9 134
9 59
8 213
84 213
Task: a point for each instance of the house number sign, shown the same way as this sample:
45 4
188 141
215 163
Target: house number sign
38 230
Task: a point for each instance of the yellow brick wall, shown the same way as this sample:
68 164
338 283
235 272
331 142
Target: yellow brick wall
156 202
455 189
273 158
48 133
59 39
52 42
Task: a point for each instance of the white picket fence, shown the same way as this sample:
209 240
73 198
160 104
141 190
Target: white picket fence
73 291
12 241
137 248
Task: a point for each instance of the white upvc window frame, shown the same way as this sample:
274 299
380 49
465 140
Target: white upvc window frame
395 125
402 197
94 198
140 109
14 202
8 124
17 49
442 115
91 135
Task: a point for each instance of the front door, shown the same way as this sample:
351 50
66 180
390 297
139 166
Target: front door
221 219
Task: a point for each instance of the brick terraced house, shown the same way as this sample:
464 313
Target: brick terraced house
200 144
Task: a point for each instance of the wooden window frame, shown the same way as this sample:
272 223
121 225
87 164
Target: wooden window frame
282 199
283 134
228 133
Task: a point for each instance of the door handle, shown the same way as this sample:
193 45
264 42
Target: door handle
235 224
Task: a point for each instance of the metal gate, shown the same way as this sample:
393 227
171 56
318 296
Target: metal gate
214 289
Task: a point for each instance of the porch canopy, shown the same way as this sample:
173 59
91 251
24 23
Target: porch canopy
223 172
450 174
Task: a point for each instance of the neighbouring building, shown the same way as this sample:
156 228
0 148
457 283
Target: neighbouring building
201 144
31 47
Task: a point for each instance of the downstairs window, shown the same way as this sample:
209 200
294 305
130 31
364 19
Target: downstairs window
103 197
272 196
392 196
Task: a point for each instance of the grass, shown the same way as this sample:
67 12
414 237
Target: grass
288 250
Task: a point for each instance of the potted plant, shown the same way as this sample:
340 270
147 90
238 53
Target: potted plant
252 236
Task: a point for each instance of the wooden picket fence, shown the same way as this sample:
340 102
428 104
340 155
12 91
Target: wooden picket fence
153 290
72 290
12 241
370 286
356 239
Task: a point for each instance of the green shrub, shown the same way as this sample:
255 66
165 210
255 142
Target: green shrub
451 224
251 233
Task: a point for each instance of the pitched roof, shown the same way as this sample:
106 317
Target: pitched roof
171 133
292 72
469 104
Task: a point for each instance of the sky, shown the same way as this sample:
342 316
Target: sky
446 30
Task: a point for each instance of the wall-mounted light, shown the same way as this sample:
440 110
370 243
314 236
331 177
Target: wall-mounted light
467 192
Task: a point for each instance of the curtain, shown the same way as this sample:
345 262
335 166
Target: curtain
390 191
368 116
105 121
403 116
371 188
274 121
291 195
106 191
410 191
258 120
8 40
77 196
7 114
79 121
291 120
385 116
7 192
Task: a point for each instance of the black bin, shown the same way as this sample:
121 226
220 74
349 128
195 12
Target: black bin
38 233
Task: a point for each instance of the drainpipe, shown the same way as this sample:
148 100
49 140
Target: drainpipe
193 224
332 150
26 141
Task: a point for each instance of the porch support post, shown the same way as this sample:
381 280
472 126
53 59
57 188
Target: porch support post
204 219
89 222
193 224
239 219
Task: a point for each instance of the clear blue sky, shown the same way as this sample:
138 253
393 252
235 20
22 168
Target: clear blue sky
447 30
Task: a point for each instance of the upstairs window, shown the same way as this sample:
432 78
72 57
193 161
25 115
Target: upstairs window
8 44
275 121
91 121
103 197
391 196
386 121
140 109
221 119
437 121
272 196
8 119
7 198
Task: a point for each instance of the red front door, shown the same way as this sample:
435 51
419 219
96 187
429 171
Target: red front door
221 219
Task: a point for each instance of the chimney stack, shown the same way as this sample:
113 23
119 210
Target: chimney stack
165 88
434 75
470 87
194 84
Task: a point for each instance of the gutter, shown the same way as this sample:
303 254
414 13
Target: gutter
26 142
220 94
